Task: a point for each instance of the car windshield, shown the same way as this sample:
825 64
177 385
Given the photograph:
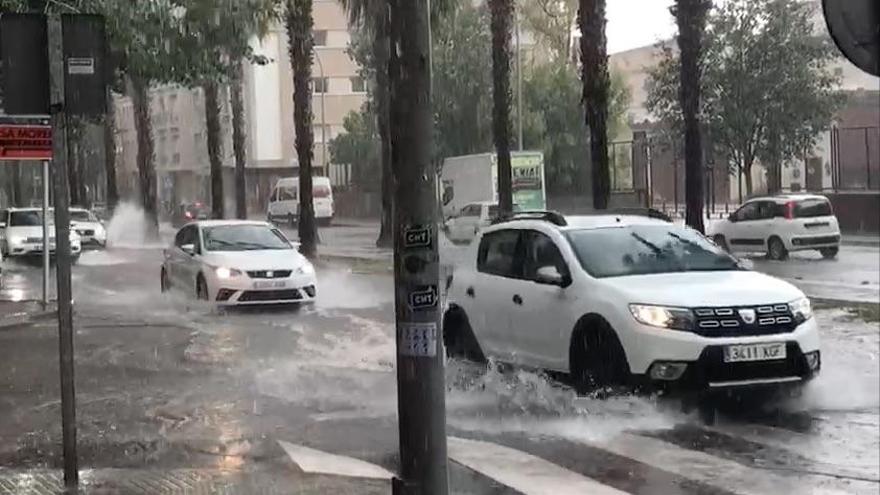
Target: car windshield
81 216
27 218
644 249
243 238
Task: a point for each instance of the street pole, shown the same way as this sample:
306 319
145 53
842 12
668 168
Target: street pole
421 392
62 252
519 108
45 176
323 116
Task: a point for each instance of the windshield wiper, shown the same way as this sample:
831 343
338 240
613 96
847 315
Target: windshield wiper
653 247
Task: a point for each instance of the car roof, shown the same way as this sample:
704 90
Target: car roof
227 223
579 222
787 197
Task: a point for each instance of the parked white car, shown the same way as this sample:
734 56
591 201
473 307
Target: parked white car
617 300
778 225
91 230
21 233
284 201
237 262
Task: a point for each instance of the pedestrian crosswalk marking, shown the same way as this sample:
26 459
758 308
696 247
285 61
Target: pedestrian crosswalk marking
317 462
528 474
715 471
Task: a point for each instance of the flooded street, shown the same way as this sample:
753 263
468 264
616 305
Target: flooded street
170 384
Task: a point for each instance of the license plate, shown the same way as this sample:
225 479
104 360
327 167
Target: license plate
274 284
754 352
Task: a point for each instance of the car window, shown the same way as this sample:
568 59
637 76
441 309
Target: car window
644 249
808 208
287 194
3 215
470 211
28 218
243 238
186 235
498 253
81 216
540 251
749 211
766 209
322 191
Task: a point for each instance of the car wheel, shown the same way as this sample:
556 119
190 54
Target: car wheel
164 283
597 359
201 289
776 249
459 338
721 242
829 252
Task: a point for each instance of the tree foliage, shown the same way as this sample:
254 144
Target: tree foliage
550 22
359 146
766 89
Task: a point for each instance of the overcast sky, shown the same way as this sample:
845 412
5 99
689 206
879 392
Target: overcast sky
635 23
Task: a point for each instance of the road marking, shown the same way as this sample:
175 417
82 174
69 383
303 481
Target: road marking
315 461
715 471
523 472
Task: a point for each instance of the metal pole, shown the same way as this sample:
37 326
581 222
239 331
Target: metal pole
519 108
323 115
62 253
867 160
421 392
45 175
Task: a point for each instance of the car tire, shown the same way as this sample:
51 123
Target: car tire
776 249
459 338
721 242
829 253
201 288
597 359
164 283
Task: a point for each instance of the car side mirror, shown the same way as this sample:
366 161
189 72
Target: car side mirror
189 249
549 275
732 217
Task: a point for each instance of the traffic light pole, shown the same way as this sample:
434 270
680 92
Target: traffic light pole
420 368
62 251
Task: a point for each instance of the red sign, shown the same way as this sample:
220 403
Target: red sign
25 142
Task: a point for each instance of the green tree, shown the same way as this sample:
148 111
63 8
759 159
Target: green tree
550 21
360 147
767 88
596 82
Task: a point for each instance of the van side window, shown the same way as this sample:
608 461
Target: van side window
498 254
286 194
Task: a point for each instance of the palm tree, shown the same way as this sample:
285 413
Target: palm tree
501 20
690 15
298 21
594 74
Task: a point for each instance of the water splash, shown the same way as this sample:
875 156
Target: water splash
129 228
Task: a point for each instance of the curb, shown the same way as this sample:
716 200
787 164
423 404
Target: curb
861 243
23 320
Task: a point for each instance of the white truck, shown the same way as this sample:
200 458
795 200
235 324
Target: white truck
473 179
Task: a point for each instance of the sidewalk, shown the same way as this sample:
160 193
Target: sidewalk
866 240
14 314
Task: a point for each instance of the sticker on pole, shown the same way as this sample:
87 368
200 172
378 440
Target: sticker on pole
417 236
81 66
418 339
424 297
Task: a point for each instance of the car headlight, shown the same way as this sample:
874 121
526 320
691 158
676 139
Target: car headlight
16 240
306 269
663 316
224 273
801 309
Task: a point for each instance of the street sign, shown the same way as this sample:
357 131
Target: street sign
25 138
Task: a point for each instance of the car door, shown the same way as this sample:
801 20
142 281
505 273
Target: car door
535 304
498 263
179 260
765 224
742 233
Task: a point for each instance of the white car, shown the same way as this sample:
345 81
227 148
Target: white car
620 300
237 262
777 225
91 230
21 233
464 226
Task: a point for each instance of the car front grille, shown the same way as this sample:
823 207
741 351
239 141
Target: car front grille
269 273
270 295
712 368
739 321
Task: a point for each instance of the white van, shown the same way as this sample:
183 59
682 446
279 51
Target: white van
284 201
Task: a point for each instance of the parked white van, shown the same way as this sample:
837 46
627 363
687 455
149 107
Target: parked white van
284 201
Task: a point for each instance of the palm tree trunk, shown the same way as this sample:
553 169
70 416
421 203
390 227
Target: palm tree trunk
502 15
299 33
238 141
381 48
691 18
215 151
138 91
594 74
110 153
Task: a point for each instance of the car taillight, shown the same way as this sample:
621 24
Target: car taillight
188 215
789 210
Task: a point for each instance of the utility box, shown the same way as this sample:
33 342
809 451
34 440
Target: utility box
25 64
85 64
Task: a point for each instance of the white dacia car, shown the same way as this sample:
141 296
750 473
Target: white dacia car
626 299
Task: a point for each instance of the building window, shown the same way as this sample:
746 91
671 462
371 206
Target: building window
357 85
320 37
320 84
176 159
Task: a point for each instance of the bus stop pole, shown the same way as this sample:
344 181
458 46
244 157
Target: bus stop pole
45 173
